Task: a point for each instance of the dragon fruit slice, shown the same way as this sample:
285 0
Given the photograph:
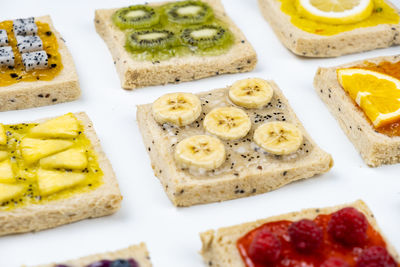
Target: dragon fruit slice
3 38
29 43
35 60
6 56
25 26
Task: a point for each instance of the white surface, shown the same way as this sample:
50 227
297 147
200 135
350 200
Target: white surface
146 214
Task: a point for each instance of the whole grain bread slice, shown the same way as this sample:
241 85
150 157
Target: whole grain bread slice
63 88
219 247
375 148
313 45
102 201
186 189
137 252
240 58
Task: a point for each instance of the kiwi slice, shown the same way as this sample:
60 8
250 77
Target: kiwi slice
205 36
150 40
189 12
135 17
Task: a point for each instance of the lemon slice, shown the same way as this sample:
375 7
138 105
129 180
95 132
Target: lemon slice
376 93
336 11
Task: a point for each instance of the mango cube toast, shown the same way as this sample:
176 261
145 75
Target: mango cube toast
53 167
227 143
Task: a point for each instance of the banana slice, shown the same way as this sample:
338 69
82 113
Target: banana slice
279 138
228 123
200 151
251 93
177 108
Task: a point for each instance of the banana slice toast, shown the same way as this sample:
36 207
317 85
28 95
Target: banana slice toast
53 172
132 256
227 143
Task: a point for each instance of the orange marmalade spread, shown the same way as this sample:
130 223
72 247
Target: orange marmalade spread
12 75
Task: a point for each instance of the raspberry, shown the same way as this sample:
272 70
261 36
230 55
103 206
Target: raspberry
376 257
265 247
334 262
348 226
305 235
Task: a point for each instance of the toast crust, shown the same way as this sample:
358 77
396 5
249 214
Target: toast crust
104 200
133 74
375 148
185 189
219 247
63 88
137 252
307 44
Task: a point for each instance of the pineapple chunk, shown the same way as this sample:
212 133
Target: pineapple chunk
65 126
9 191
35 149
6 172
3 155
73 158
3 136
54 181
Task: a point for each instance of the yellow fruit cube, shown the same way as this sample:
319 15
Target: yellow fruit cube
54 181
6 172
3 136
3 155
9 191
35 149
73 158
66 126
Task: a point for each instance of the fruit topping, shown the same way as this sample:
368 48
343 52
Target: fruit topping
35 60
7 57
65 126
279 138
3 38
348 226
228 123
189 12
29 43
177 108
102 263
9 191
335 262
205 36
200 151
74 158
306 236
3 155
251 93
35 149
135 17
3 136
265 248
54 181
152 40
376 256
6 172
25 26
124 263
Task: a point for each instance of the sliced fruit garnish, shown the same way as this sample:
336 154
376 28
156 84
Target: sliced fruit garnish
9 191
54 181
251 93
336 11
35 149
3 155
3 136
6 172
66 126
201 151
376 93
74 158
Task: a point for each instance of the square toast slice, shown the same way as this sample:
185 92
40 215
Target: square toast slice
375 148
137 252
240 58
219 247
246 171
63 88
102 201
313 45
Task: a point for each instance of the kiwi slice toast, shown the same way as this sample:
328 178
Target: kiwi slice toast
189 12
136 17
206 37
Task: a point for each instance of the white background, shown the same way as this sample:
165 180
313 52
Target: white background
147 215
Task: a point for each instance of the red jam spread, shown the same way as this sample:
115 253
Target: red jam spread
290 257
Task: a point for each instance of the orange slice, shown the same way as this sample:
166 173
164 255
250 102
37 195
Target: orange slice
376 93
